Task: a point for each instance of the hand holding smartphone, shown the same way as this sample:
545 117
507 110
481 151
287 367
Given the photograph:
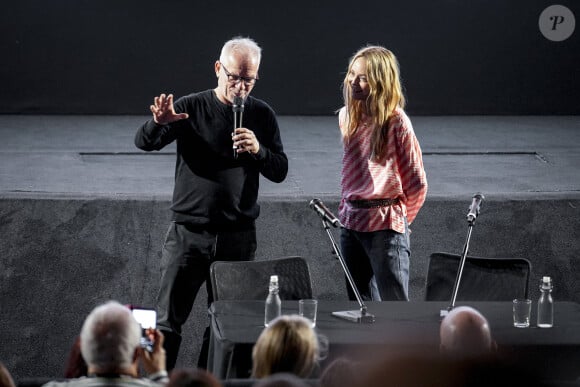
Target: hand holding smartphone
147 318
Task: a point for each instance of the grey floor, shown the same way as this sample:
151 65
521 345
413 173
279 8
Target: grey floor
95 155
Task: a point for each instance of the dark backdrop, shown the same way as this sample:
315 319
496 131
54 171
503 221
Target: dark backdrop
113 56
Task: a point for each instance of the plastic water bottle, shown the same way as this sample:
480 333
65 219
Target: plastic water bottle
273 306
546 304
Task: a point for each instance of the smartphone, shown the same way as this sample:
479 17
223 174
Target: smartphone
147 318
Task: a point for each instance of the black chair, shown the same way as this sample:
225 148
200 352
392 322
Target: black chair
483 279
248 280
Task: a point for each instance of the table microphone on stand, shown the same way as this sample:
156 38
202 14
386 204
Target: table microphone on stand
472 214
361 315
238 110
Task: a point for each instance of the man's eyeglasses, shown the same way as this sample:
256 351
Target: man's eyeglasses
235 79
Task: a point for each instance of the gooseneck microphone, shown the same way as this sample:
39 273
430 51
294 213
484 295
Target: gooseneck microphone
324 212
475 206
357 316
471 216
238 109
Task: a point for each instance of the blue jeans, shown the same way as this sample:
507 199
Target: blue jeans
378 262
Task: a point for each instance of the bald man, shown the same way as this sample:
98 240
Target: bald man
465 332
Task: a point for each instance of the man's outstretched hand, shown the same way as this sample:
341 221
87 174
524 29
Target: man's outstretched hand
163 110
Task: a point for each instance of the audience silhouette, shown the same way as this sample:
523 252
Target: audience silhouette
287 354
5 377
288 344
465 332
110 345
192 377
75 366
281 379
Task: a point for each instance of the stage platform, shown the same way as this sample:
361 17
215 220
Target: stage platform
83 214
95 156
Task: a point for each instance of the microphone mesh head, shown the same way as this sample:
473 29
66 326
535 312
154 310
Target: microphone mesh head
314 202
238 103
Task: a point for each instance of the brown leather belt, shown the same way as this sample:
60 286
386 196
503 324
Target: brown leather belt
373 203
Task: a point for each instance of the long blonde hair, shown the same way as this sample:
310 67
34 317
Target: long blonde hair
288 344
386 94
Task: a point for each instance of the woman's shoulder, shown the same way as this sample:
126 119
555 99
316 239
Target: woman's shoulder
400 121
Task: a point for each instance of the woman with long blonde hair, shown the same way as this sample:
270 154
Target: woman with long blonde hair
289 344
383 181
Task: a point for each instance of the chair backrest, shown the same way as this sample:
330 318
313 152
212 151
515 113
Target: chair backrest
483 279
248 280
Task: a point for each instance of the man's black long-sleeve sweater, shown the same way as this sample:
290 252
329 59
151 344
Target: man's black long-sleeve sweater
211 186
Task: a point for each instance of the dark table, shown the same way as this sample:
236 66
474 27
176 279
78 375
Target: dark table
236 325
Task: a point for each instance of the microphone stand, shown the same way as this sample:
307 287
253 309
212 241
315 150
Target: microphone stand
444 312
358 316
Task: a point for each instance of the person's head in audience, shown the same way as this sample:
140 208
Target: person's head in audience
192 377
465 332
110 343
75 366
5 377
281 379
288 344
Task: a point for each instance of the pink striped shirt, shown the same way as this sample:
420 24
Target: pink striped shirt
399 174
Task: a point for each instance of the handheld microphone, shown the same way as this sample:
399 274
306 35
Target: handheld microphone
474 208
324 212
238 109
